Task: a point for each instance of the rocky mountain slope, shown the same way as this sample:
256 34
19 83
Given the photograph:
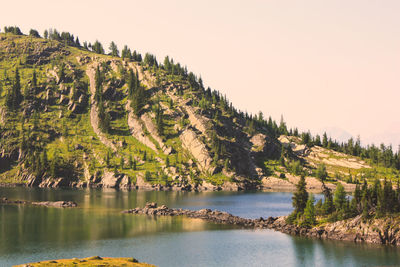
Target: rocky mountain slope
81 118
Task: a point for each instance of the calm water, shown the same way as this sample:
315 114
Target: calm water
97 227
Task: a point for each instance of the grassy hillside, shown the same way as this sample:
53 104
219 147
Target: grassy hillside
73 117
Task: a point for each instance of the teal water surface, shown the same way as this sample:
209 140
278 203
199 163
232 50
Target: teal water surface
96 227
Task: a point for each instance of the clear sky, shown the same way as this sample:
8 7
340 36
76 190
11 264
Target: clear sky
321 64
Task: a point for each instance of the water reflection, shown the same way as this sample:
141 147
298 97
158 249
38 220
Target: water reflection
97 227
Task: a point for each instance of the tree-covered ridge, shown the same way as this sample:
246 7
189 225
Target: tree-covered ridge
370 201
155 120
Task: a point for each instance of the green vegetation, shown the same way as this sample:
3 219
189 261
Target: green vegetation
194 133
91 261
377 200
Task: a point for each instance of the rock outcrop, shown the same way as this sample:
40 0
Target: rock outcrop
111 180
136 128
94 115
273 183
151 127
55 204
198 150
376 231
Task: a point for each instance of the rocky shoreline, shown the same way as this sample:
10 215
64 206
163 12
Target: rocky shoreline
55 204
375 231
206 187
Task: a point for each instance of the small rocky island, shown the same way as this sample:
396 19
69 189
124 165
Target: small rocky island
55 204
375 231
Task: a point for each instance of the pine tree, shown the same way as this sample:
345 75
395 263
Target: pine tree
126 53
34 78
357 196
77 43
97 47
321 172
282 157
61 73
159 120
108 159
138 100
130 162
132 83
113 49
14 95
54 164
364 204
309 218
325 140
339 199
121 163
98 85
134 165
104 118
300 197
328 206
44 159
34 33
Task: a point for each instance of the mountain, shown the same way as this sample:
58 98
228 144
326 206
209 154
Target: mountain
73 116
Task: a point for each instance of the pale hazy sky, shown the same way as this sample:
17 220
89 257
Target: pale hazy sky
319 63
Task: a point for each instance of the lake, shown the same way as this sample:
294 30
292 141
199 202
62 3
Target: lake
96 227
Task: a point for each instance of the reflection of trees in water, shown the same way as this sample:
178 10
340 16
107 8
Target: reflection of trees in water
304 251
310 252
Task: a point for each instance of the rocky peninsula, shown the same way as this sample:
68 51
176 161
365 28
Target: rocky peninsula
374 231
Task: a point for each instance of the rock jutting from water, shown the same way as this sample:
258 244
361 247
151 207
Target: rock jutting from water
357 229
55 204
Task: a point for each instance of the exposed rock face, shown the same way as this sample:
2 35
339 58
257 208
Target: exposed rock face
94 116
258 141
144 77
111 180
313 184
136 128
296 147
207 187
377 231
153 132
125 182
141 183
54 182
2 115
197 149
198 121
229 186
339 159
277 184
